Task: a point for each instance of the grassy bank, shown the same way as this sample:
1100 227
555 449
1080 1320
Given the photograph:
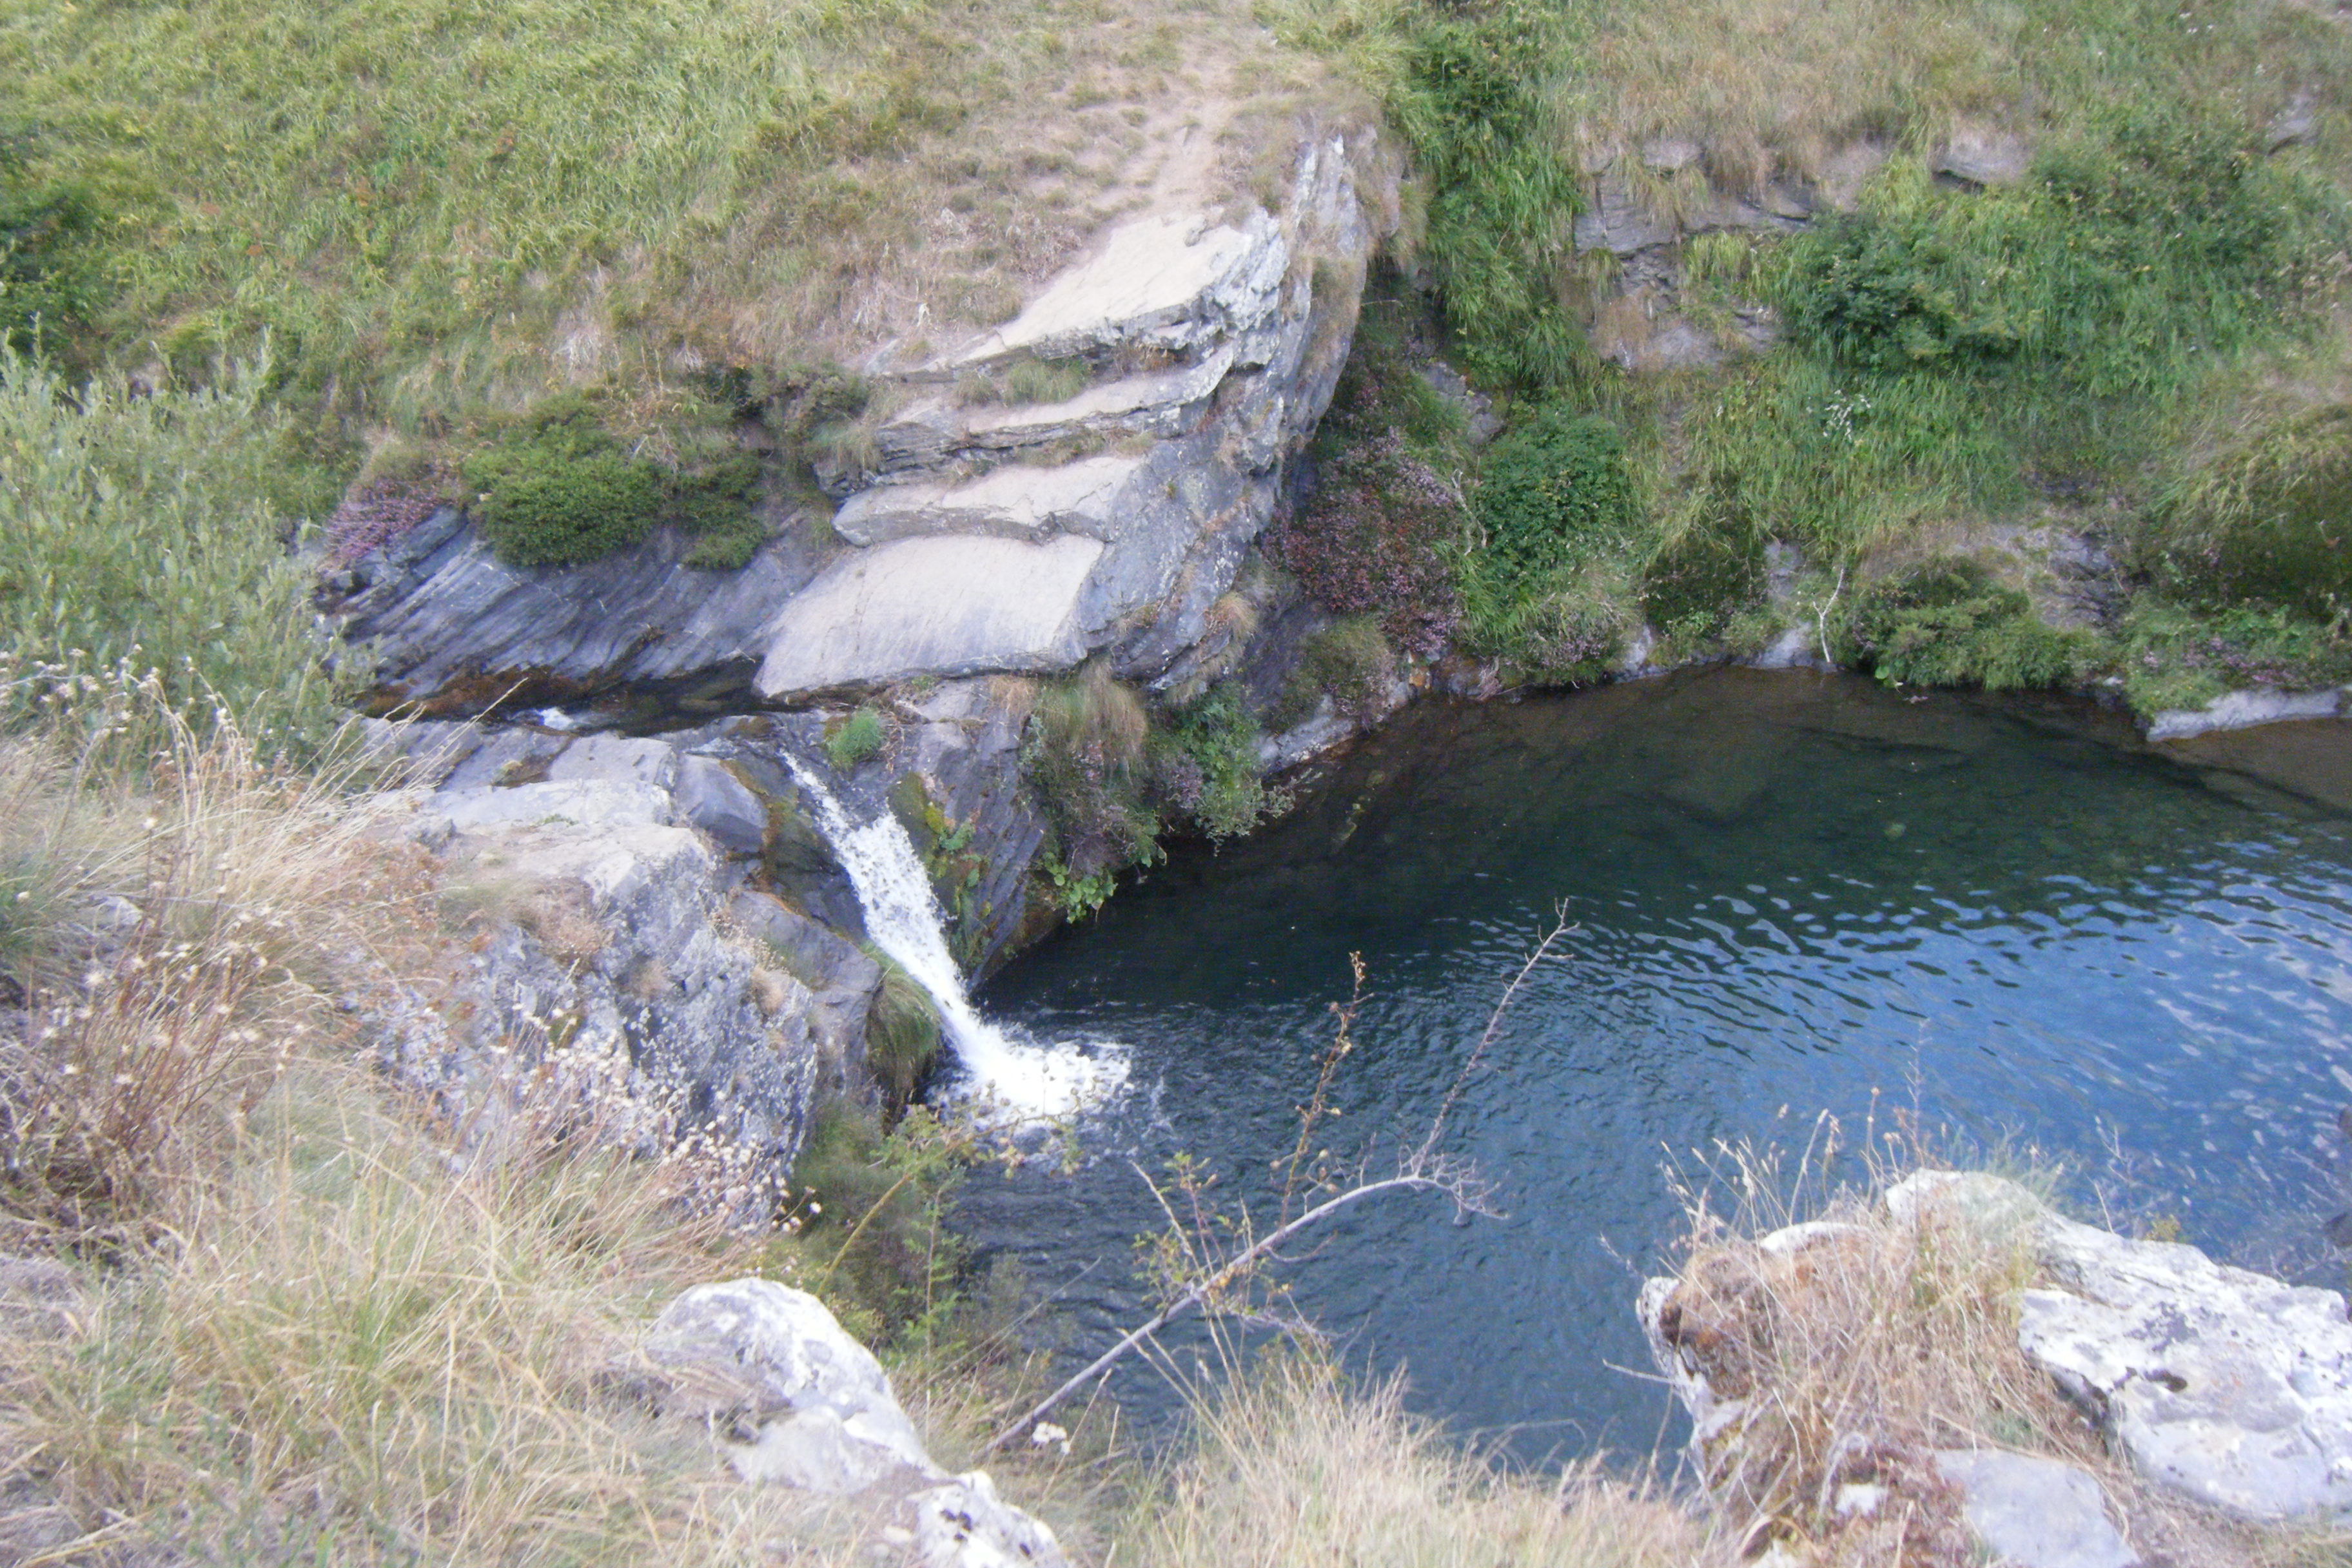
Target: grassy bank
2125 331
442 213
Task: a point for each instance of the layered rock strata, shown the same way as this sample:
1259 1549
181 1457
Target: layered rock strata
977 536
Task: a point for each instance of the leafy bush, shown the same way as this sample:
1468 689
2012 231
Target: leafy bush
853 740
2266 523
2151 236
1218 783
136 535
1948 623
1348 661
556 490
1555 490
53 273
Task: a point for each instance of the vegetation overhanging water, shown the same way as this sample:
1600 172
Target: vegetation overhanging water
1791 894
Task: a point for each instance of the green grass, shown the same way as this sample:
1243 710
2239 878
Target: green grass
855 738
138 540
1950 355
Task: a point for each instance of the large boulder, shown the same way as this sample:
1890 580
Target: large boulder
797 1401
2225 1385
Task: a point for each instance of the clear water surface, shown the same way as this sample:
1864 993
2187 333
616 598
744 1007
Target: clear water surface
1790 893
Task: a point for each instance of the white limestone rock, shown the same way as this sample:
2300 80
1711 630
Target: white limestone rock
1166 280
952 604
964 1524
2225 1385
586 803
1015 502
751 1353
2036 1512
2243 710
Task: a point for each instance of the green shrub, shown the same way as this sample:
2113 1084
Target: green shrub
556 490
1949 622
1348 661
2148 238
853 740
136 534
1555 490
1220 787
2269 522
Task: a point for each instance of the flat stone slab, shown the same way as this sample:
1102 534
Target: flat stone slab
2036 1512
1152 277
1016 501
2243 710
950 604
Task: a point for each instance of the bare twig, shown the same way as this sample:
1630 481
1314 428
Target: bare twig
1456 1182
1494 1025
1425 1169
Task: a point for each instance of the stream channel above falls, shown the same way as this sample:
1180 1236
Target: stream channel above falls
1790 893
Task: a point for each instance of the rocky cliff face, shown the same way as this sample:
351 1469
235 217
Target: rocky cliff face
978 534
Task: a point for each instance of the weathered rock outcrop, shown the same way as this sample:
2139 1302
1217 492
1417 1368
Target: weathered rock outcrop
975 537
600 931
2227 1386
799 1402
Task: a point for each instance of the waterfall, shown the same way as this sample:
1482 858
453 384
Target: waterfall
902 916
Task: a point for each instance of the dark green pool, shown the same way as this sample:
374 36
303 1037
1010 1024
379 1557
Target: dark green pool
1792 893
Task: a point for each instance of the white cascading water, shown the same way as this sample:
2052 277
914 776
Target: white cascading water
902 917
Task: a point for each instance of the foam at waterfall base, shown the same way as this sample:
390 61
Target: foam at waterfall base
1011 1079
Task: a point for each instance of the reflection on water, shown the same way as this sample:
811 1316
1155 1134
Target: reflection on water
1790 893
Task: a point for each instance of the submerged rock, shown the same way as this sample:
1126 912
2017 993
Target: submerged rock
2243 710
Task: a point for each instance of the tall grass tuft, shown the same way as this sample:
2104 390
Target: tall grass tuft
1287 1465
137 535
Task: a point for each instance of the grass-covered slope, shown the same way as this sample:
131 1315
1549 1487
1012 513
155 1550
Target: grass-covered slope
434 208
2126 330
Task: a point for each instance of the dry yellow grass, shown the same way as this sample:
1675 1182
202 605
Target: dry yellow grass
1288 1466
